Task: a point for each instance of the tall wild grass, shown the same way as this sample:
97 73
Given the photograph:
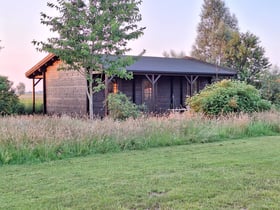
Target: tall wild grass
29 139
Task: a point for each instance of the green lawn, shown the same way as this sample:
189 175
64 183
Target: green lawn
238 174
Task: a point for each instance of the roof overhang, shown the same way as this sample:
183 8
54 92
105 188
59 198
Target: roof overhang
150 65
36 72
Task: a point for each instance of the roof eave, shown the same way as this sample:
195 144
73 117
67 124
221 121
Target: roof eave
36 71
184 73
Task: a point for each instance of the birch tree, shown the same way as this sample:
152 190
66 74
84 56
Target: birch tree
92 37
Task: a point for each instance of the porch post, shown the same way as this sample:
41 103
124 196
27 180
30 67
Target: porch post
181 93
33 95
191 80
35 83
153 80
172 102
44 93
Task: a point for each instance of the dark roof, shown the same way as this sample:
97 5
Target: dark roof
155 65
184 65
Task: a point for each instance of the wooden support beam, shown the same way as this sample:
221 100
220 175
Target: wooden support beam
110 79
35 83
172 102
133 91
181 93
153 80
33 96
191 80
44 93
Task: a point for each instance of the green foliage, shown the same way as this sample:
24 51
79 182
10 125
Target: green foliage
89 34
270 86
9 102
213 31
228 96
121 108
244 54
220 42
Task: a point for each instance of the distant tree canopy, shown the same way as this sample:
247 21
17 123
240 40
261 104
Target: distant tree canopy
1 46
89 33
20 89
9 102
220 42
174 54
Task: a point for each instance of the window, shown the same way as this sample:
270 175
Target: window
113 86
147 91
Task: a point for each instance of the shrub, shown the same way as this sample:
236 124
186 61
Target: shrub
121 108
270 86
9 102
228 96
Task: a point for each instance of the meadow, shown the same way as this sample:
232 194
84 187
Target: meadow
26 100
233 174
33 139
177 161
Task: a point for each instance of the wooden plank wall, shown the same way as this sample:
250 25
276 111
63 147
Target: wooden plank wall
171 91
65 91
98 103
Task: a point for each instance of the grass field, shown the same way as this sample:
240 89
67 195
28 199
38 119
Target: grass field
236 174
27 101
33 138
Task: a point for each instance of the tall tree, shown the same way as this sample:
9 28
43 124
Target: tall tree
244 54
214 31
89 33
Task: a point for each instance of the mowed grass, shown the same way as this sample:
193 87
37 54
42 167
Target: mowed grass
236 174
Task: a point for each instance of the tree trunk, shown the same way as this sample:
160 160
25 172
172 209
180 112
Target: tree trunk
90 96
90 100
106 95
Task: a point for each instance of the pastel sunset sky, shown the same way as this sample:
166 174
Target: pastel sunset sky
170 25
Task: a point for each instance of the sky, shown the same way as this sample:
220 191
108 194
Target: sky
169 25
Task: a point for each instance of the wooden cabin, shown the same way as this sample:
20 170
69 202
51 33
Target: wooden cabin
160 83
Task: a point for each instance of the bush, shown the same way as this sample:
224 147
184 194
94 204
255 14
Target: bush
9 102
228 96
270 86
121 108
